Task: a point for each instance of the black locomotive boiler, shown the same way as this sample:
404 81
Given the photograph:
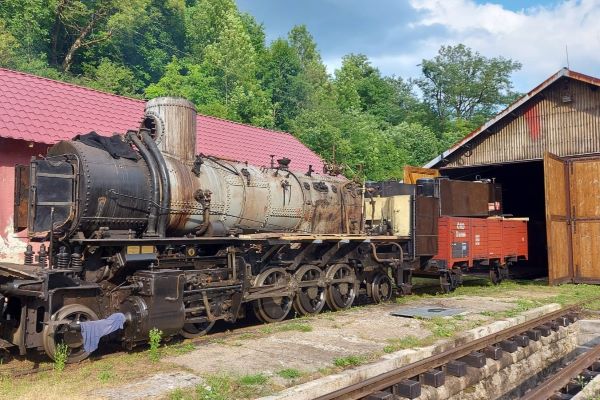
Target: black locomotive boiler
141 225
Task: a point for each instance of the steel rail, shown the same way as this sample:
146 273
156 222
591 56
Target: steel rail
390 378
550 386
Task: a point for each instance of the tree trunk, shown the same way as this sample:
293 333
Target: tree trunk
66 64
56 31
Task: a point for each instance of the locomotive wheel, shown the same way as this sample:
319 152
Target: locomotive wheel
195 329
273 309
381 288
342 288
310 298
53 335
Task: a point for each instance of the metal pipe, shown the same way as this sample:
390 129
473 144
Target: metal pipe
384 260
164 183
153 214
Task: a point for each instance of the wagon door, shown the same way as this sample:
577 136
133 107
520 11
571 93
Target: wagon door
558 230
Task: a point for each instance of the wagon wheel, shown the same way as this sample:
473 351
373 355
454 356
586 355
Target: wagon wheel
55 334
310 297
192 330
273 309
495 275
450 280
498 273
381 288
342 287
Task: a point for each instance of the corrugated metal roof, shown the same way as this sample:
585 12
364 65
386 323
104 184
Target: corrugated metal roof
509 111
46 111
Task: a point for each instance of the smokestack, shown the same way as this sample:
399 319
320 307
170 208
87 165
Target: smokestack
172 122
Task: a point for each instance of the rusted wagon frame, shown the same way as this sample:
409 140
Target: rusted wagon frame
389 379
559 380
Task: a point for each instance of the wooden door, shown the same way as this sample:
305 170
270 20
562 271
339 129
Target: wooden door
558 233
584 178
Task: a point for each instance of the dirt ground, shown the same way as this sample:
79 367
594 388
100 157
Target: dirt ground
310 344
253 360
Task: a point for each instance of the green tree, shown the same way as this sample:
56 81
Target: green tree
282 78
29 21
459 83
418 142
256 32
149 42
313 69
112 77
231 61
205 22
184 78
81 24
8 46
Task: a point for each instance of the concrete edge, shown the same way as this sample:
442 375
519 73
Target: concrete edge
388 362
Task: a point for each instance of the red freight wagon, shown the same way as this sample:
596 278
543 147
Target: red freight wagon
478 245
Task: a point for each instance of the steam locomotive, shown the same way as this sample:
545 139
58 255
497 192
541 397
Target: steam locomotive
141 226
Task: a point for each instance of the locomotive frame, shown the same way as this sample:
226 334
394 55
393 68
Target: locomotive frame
142 226
177 241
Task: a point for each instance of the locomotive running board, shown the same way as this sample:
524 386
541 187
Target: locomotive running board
23 271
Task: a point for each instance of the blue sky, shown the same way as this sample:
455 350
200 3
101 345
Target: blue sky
397 34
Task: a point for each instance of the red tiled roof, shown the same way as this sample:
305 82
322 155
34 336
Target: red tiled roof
46 111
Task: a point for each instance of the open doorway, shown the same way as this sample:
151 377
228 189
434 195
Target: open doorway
522 196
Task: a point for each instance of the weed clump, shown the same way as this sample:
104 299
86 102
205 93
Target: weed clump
289 373
349 361
61 356
155 337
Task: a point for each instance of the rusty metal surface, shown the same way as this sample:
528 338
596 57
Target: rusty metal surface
426 225
552 385
381 382
19 270
175 126
464 199
21 197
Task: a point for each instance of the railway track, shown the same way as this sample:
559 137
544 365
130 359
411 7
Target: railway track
405 382
569 380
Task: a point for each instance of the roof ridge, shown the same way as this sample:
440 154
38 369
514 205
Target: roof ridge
71 84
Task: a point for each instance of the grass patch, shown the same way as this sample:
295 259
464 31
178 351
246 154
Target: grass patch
298 326
180 349
441 327
106 373
521 306
349 361
407 342
255 379
289 373
247 336
225 387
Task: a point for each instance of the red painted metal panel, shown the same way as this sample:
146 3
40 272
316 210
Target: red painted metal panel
482 238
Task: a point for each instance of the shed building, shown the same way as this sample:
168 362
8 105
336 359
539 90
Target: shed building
545 151
37 112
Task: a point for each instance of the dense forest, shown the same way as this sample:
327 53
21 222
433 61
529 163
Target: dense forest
213 54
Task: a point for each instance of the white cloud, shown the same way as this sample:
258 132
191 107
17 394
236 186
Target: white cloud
535 36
